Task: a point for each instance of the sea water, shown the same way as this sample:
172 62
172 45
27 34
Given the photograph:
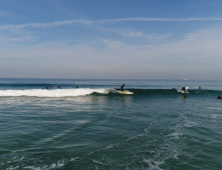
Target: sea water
94 127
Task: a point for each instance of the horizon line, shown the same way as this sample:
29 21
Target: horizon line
115 79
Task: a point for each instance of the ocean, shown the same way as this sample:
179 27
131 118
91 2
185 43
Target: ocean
94 127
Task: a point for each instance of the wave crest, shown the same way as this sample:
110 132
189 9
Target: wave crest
52 93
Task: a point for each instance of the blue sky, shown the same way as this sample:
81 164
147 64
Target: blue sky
161 39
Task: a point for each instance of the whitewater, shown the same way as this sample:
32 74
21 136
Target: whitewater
52 93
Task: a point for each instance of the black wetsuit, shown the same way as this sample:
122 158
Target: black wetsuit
219 97
59 87
122 87
183 89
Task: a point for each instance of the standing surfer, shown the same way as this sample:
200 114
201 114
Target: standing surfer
122 86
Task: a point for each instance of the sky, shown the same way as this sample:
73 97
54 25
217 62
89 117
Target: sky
111 39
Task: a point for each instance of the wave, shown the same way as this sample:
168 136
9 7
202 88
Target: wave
26 84
173 92
52 93
100 91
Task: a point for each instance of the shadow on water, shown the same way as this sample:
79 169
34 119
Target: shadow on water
184 96
125 99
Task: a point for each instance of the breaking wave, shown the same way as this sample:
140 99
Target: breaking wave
102 91
52 93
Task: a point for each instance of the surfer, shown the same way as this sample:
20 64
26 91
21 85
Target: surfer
219 97
46 88
77 87
122 86
183 89
59 87
199 87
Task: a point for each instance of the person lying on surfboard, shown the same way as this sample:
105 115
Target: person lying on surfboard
122 87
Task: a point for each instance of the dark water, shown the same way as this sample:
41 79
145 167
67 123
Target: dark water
95 127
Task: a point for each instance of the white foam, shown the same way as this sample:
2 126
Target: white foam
58 165
12 168
52 93
83 121
108 147
97 162
153 164
53 165
74 159
176 135
214 108
32 167
140 135
190 124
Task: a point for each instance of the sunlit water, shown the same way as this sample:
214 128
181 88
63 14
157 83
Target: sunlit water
95 127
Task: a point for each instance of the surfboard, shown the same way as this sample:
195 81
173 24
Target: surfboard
183 91
196 87
124 92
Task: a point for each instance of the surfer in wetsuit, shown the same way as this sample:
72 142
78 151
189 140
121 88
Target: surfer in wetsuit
219 97
199 87
183 89
122 87
59 87
46 88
